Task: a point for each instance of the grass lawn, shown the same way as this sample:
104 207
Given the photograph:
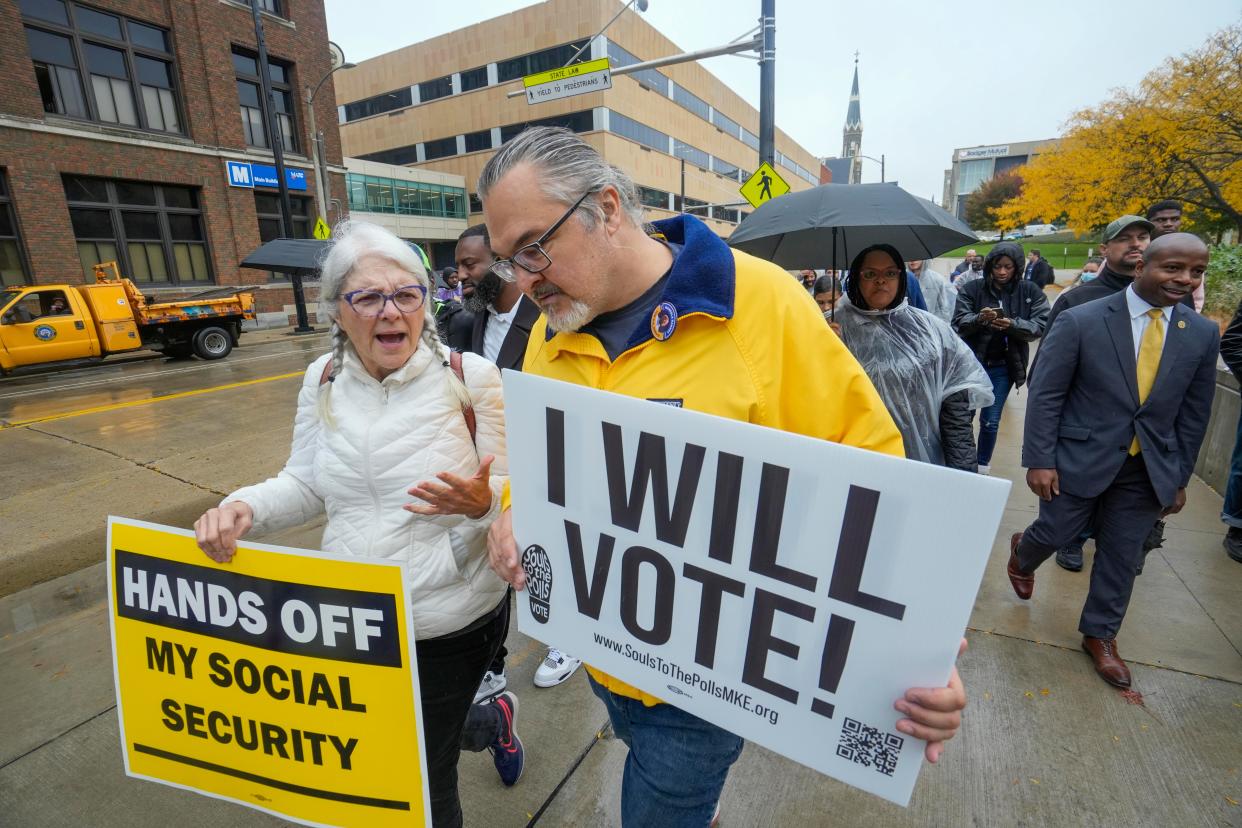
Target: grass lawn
1054 251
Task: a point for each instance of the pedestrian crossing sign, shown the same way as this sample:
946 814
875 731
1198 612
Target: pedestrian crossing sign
765 185
322 230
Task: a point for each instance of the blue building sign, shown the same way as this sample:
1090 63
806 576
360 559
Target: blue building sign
246 174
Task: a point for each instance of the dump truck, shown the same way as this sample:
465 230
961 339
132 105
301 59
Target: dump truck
67 323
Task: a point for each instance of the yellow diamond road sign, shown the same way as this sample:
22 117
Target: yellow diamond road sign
322 230
763 186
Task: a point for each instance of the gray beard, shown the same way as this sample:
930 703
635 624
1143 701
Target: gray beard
486 292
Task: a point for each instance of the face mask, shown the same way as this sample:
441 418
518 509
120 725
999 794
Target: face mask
1087 277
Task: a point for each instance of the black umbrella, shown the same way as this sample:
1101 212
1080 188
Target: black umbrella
301 256
806 229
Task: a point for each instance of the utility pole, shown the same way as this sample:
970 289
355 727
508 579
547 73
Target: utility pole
767 84
268 100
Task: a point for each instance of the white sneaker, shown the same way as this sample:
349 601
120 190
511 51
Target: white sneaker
491 686
985 470
556 668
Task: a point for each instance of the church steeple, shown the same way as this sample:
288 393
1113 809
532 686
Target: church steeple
851 135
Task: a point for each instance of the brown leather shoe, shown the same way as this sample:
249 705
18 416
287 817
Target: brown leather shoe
1108 663
1023 582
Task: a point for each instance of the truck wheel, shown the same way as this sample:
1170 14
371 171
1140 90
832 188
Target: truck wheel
212 343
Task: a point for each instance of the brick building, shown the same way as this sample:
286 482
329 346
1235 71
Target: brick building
118 123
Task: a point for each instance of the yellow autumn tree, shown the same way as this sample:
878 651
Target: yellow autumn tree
1178 135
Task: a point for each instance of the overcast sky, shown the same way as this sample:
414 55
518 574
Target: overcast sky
933 76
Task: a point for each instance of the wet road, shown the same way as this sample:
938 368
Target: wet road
147 438
129 380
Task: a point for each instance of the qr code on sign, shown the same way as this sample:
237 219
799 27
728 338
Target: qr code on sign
869 747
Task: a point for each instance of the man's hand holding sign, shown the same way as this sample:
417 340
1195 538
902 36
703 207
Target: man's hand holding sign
935 713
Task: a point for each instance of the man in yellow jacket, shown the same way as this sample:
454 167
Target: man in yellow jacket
675 317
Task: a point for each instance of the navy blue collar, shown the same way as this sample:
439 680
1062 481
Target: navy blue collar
703 277
701 280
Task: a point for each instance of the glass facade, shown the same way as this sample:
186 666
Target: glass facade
541 61
973 173
643 134
649 78
375 194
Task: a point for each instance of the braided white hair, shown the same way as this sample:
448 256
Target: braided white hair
352 240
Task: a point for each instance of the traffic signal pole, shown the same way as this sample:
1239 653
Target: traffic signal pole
767 83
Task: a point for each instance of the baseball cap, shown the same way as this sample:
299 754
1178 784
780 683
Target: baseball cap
1117 225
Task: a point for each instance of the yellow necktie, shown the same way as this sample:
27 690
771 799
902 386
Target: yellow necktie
1149 361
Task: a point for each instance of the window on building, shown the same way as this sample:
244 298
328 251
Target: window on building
440 148
651 197
643 134
690 205
726 124
103 67
267 208
722 167
249 88
13 269
541 61
476 203
692 154
692 102
583 121
397 155
649 78
474 79
725 214
750 139
153 231
387 102
270 6
481 140
438 88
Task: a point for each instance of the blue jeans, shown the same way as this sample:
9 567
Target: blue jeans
1232 511
676 766
989 418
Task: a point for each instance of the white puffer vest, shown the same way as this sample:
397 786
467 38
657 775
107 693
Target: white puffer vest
385 437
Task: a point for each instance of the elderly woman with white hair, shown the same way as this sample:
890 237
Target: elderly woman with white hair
387 408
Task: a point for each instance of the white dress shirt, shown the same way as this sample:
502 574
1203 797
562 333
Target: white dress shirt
498 325
1139 320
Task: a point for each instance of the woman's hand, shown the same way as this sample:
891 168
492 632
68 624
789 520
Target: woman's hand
987 315
219 529
502 551
1002 324
469 496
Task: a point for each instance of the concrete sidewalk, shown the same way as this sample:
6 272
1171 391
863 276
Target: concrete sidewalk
1045 742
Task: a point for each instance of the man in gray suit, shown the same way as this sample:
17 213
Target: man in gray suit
1116 415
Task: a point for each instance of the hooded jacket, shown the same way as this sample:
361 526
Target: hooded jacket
385 436
1022 301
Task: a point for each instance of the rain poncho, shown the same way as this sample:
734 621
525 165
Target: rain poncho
939 294
916 361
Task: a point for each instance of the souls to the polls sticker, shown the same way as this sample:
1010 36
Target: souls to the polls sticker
538 581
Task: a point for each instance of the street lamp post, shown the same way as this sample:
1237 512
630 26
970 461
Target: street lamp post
879 161
317 154
276 139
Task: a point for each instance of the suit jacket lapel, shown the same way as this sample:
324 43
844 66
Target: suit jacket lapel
1118 323
476 335
1174 342
513 348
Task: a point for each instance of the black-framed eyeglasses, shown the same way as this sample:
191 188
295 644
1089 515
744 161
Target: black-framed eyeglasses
369 302
532 257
